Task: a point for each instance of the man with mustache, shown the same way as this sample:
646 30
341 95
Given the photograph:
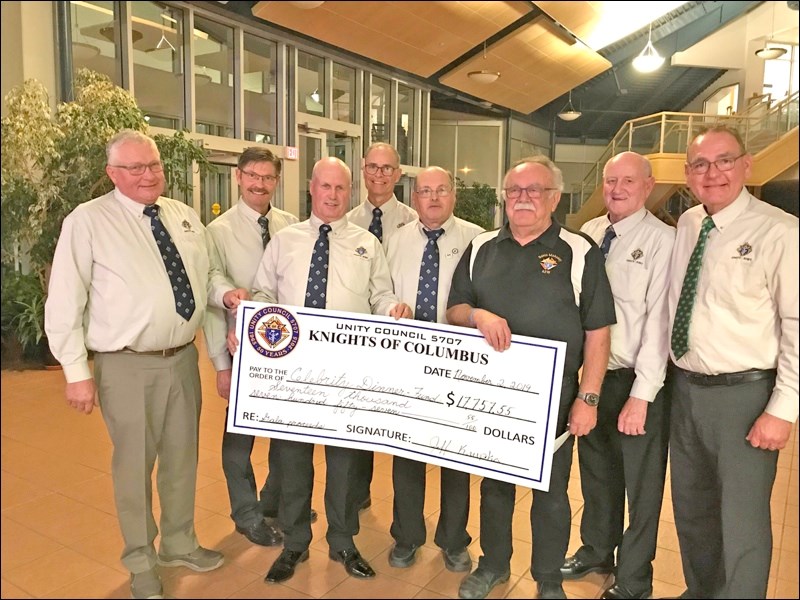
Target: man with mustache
536 278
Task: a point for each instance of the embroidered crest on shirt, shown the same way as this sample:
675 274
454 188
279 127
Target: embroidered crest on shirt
637 254
187 227
548 262
361 252
744 249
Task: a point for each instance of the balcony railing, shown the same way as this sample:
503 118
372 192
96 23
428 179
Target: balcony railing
670 132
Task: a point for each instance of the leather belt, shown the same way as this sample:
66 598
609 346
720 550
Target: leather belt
163 353
727 378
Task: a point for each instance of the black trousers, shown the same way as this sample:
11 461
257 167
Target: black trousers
408 523
721 487
550 511
614 465
246 508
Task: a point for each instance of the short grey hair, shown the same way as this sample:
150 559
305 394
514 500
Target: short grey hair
540 159
128 135
384 146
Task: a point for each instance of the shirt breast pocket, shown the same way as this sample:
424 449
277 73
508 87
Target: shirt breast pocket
355 275
628 281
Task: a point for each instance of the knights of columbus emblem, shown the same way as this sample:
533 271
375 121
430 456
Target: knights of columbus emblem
637 254
548 262
744 249
273 331
361 251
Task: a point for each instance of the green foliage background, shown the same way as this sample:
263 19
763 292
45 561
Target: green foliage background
476 203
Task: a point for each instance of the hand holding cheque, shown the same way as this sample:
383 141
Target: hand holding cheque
445 396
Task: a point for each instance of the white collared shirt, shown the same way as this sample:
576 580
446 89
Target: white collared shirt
404 253
237 249
358 275
109 289
395 215
638 270
745 314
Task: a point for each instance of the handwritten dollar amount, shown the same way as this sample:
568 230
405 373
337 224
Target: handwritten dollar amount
478 404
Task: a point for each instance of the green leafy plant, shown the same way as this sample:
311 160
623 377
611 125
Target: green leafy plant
476 203
22 309
54 161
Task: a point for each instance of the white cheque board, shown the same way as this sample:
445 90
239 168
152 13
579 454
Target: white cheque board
425 391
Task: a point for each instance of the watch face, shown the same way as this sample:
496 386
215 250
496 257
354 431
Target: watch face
591 399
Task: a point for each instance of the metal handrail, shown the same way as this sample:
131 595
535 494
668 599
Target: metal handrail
670 133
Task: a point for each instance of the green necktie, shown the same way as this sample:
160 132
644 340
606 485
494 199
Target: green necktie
683 315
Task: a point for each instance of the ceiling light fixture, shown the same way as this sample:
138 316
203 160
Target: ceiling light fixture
649 60
569 113
768 52
163 43
484 76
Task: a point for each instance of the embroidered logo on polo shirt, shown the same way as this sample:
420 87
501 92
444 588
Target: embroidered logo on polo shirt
361 252
637 254
744 249
186 226
548 262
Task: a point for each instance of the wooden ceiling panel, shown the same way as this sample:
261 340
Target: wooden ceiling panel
580 17
418 37
536 63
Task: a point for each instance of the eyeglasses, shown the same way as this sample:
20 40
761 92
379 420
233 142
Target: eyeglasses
700 167
372 169
533 191
136 170
255 177
427 192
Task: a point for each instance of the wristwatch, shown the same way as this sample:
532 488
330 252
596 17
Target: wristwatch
590 398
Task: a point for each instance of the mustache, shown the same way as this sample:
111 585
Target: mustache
524 206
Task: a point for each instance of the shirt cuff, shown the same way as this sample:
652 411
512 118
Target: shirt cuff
78 371
782 407
222 361
644 390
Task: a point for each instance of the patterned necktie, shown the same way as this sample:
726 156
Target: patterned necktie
427 291
376 227
318 271
181 288
605 245
264 222
683 314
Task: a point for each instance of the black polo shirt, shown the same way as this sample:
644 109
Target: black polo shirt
554 287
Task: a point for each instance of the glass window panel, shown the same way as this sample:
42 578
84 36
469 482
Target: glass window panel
157 35
405 123
442 145
380 109
344 90
478 151
94 25
259 81
213 76
310 84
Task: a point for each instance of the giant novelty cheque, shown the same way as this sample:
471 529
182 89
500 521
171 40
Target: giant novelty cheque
425 391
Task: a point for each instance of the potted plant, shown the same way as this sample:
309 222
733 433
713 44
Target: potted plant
53 161
476 203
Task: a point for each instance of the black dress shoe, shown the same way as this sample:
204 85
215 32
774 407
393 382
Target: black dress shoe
575 568
283 567
620 592
402 557
550 589
353 562
262 533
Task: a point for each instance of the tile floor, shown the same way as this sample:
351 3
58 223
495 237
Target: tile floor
60 537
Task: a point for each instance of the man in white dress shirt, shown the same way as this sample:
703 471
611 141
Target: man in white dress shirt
240 236
434 197
111 292
733 384
358 280
382 214
626 453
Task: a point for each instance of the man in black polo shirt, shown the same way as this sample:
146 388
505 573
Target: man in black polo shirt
533 277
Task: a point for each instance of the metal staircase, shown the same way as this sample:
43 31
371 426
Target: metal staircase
770 133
